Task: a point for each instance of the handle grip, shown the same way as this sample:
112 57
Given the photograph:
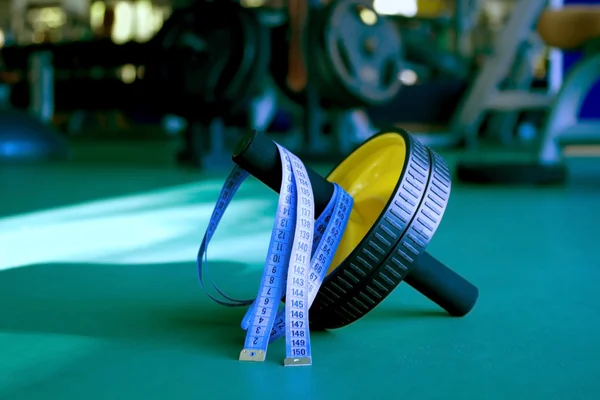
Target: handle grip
443 286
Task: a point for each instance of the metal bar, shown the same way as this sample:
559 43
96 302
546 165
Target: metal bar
582 132
41 85
516 100
555 70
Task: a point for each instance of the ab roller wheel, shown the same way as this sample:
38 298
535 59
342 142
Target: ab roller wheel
400 190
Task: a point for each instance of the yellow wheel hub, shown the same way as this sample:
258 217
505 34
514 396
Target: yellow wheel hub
370 175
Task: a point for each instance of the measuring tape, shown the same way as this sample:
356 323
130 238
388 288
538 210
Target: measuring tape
299 255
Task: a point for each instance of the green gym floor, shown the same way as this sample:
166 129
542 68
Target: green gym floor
99 297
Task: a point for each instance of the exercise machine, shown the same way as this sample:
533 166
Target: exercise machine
568 28
337 64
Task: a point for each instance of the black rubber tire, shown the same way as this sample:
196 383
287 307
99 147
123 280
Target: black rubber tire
254 79
387 253
511 173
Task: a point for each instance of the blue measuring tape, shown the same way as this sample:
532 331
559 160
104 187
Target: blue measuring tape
299 255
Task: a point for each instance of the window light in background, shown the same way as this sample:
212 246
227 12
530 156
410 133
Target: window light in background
144 21
97 14
252 3
128 73
368 17
123 30
408 77
407 8
133 21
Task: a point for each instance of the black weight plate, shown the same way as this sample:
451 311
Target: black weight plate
279 65
256 75
533 173
203 54
250 35
385 256
363 50
329 86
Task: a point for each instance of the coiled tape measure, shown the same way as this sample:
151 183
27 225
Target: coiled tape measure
304 254
298 258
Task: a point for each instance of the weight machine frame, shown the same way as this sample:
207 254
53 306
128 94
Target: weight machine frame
562 123
562 104
563 100
483 95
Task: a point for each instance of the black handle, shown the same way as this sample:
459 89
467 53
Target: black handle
443 286
259 155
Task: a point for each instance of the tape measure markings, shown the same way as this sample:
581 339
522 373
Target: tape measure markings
259 319
394 244
296 304
325 249
305 257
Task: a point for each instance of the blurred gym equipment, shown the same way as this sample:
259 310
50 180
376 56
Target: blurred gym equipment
206 63
23 138
209 64
484 95
28 136
351 64
226 51
207 59
578 30
336 63
224 75
493 48
420 47
442 46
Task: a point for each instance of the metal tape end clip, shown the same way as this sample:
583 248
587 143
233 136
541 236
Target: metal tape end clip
252 355
297 362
